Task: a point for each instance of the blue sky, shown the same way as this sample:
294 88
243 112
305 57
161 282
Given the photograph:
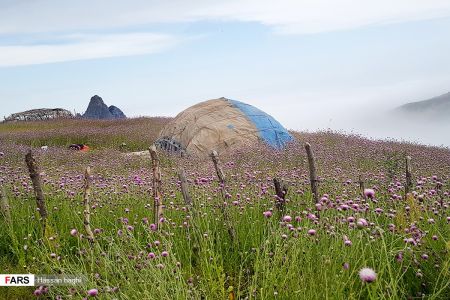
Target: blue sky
311 64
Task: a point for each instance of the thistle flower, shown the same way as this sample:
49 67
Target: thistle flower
287 219
369 193
367 275
362 223
164 254
311 232
74 232
267 214
37 292
92 292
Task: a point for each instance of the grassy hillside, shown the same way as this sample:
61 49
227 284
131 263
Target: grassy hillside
305 251
137 133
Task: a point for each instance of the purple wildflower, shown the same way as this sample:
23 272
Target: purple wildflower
369 193
367 275
92 292
287 219
267 214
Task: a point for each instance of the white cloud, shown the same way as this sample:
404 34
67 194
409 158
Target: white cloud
80 47
286 16
314 16
55 20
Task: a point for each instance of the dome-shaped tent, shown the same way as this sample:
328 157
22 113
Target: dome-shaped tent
221 124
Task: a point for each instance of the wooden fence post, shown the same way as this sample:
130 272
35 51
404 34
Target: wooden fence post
156 180
440 193
37 186
4 205
216 162
408 184
361 186
221 176
281 191
184 187
312 172
87 208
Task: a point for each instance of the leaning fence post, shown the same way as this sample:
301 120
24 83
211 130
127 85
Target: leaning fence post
408 185
312 172
184 186
219 171
37 186
221 175
281 191
87 209
156 180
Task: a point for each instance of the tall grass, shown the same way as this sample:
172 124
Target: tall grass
267 259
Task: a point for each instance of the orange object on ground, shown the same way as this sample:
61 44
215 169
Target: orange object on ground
79 147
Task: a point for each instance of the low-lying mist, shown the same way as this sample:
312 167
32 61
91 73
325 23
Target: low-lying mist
411 128
371 121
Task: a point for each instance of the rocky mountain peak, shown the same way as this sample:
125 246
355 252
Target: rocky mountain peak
116 112
97 109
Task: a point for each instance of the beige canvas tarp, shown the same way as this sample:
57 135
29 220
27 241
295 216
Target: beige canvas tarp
211 125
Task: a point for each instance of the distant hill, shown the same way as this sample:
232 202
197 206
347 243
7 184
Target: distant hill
97 109
437 107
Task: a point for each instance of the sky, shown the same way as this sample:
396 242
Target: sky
312 64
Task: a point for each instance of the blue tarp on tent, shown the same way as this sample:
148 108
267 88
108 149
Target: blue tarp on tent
270 130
